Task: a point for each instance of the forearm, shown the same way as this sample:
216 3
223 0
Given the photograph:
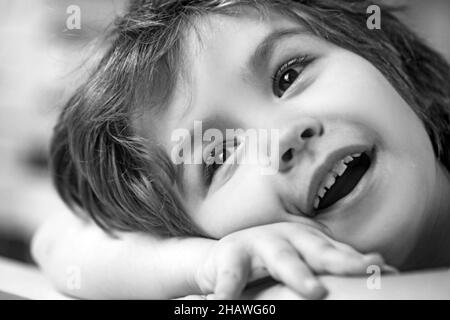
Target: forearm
134 266
433 284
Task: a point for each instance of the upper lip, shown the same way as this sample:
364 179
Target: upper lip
322 170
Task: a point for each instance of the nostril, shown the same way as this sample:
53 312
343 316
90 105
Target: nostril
308 133
288 155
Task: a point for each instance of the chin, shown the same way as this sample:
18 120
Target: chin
387 210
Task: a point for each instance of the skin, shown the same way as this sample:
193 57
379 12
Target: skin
264 223
345 101
144 267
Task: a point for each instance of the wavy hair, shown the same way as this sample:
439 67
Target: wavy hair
124 181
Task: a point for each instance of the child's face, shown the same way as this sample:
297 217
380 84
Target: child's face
351 109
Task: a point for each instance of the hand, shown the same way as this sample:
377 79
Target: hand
291 253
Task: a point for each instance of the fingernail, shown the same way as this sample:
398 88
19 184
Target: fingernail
373 257
316 289
221 296
389 269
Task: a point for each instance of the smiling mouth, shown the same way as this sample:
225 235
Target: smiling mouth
342 179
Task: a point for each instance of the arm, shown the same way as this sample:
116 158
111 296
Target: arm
144 266
134 266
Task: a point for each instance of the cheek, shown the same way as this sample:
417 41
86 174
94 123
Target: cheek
390 219
245 201
358 92
377 105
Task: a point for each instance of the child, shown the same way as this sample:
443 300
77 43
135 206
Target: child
364 123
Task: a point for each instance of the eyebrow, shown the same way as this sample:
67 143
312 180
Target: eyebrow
261 56
264 51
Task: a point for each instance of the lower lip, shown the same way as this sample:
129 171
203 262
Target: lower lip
358 193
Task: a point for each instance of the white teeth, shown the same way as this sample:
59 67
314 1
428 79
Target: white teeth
321 192
330 181
316 202
348 159
340 168
337 171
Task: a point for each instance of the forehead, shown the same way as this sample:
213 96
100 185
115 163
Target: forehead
217 46
217 34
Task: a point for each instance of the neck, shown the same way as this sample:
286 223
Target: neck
433 247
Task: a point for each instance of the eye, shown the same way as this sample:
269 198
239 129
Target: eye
217 157
287 74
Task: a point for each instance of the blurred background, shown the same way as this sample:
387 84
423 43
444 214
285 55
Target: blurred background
40 60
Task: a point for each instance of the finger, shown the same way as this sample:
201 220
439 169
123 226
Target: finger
258 270
285 265
325 255
233 270
367 258
389 269
340 262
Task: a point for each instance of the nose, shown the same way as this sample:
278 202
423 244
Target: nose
294 138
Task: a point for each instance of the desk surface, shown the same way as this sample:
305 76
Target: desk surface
18 280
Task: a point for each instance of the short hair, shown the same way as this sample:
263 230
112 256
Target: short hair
103 166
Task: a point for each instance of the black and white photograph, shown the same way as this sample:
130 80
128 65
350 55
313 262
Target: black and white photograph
224 150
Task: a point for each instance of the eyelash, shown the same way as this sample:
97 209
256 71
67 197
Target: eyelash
301 62
209 169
